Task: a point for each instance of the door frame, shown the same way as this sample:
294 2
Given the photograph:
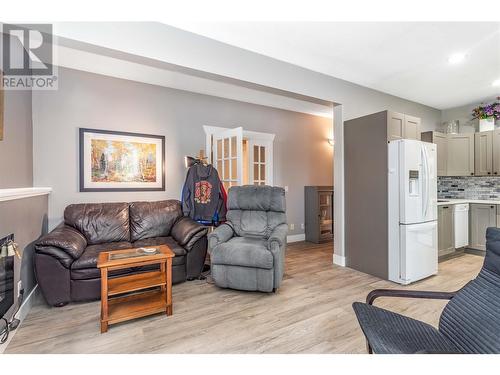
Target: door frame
266 139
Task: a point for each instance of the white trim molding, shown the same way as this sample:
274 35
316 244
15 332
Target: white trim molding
339 260
296 238
20 193
25 308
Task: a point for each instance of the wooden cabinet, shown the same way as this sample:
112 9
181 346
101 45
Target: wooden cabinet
318 213
455 153
460 154
400 126
483 153
446 230
495 140
395 126
412 127
441 142
482 216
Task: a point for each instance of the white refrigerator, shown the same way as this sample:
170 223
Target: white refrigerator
412 211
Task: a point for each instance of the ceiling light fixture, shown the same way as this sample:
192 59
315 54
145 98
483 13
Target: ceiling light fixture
496 82
456 58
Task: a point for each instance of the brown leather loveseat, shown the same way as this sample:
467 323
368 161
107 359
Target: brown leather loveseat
66 258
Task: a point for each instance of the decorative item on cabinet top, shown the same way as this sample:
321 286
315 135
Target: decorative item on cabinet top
487 114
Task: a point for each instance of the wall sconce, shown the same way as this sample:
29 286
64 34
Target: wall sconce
331 141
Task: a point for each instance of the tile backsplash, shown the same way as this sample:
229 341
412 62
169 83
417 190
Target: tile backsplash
469 188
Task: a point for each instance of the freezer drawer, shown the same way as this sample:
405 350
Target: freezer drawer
419 251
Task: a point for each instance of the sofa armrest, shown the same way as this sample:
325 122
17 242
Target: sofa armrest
278 235
221 234
186 232
64 243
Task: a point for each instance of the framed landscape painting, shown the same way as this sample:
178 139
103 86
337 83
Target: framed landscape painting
119 161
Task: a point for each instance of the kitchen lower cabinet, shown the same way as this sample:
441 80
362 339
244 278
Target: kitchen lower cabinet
482 216
446 230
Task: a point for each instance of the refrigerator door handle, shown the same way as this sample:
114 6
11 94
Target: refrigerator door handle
425 183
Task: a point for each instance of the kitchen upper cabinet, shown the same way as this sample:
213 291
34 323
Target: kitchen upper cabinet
395 126
460 154
412 127
401 126
483 153
482 216
446 230
441 142
495 141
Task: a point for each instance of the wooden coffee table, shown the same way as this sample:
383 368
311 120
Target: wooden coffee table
131 296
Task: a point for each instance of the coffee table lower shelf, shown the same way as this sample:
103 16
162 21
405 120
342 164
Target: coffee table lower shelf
137 305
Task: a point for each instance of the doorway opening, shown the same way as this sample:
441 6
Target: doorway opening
241 157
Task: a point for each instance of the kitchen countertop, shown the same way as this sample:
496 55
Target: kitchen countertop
458 201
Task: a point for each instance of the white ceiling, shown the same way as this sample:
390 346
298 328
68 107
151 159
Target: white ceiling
407 59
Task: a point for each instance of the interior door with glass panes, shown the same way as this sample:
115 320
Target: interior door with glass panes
227 156
260 162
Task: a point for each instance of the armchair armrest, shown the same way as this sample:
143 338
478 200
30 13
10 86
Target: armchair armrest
64 243
374 294
221 234
278 236
186 232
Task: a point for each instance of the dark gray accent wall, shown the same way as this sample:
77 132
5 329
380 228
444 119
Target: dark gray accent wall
27 219
302 154
16 149
366 201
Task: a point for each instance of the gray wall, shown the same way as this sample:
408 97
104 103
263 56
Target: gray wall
27 219
302 155
16 150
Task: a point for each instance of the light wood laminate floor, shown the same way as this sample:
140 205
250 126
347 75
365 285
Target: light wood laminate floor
311 313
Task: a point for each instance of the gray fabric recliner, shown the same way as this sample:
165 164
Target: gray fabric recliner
248 251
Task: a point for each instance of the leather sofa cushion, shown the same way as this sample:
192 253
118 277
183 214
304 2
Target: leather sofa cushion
100 222
243 251
95 273
153 219
178 250
91 253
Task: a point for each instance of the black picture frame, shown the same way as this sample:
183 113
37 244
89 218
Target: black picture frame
82 166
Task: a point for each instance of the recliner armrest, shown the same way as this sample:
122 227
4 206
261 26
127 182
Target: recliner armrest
64 243
186 232
278 236
221 234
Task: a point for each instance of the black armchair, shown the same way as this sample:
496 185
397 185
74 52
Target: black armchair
470 322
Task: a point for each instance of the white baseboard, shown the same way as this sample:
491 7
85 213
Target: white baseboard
296 238
21 314
339 260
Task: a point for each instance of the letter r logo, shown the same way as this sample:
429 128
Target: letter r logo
27 49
